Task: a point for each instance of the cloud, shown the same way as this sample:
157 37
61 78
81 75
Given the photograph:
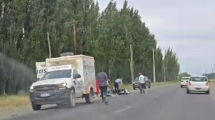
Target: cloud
187 26
195 57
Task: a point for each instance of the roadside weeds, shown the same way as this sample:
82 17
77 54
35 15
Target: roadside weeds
16 101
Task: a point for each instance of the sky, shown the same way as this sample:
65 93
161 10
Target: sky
187 26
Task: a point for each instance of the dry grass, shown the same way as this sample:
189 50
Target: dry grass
10 102
130 87
212 82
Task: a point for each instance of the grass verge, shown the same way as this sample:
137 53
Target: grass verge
212 81
130 87
16 101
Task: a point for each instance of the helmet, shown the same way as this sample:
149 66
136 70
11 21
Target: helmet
140 73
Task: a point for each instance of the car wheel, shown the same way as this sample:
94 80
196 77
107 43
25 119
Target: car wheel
181 86
188 92
35 107
72 99
208 92
89 97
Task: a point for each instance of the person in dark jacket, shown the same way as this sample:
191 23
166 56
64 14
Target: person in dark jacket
103 83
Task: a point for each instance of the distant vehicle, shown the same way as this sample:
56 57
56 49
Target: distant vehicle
184 81
198 84
148 82
66 79
136 83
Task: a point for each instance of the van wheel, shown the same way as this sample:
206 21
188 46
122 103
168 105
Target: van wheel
208 92
89 97
71 99
35 107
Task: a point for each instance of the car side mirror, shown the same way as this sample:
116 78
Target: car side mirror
77 76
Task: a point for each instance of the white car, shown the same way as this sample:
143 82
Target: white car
198 84
184 81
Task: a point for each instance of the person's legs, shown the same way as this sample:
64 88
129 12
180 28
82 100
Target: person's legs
141 87
105 94
102 91
105 91
144 87
115 86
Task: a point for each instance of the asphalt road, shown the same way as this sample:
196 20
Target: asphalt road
164 103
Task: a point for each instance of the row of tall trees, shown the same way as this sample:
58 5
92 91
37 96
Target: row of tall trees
25 26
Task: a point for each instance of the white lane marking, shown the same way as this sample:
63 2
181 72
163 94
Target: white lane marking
119 111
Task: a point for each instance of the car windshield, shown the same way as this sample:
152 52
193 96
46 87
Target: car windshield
57 74
198 79
185 78
136 79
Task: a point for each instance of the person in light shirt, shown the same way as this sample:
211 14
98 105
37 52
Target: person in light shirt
142 83
117 83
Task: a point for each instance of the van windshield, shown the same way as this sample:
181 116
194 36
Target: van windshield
57 74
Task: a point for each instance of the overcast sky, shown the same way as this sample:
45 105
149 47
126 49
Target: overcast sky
187 26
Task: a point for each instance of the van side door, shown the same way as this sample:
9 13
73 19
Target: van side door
77 82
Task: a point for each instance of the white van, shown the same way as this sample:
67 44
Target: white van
66 79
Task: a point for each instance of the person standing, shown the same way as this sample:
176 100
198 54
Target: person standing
142 83
117 83
97 87
103 83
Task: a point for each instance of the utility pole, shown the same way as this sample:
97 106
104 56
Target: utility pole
49 45
164 71
164 64
154 74
74 37
214 71
132 64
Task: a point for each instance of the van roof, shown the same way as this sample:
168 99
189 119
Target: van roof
68 57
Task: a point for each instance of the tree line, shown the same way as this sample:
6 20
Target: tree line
76 26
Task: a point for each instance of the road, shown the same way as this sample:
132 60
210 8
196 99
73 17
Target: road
163 103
